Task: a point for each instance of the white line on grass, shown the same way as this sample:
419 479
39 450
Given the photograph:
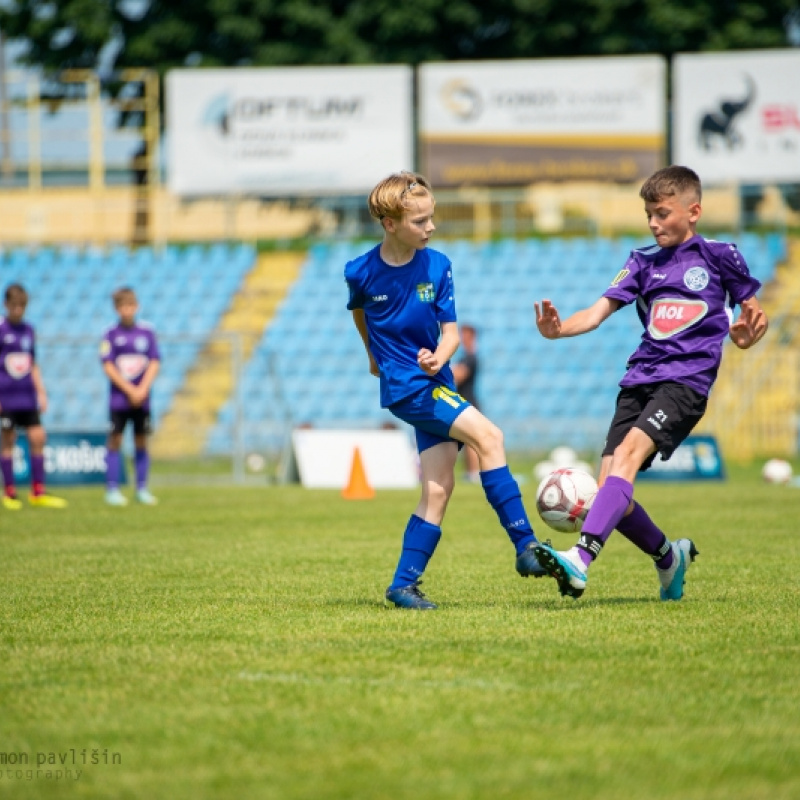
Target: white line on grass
325 680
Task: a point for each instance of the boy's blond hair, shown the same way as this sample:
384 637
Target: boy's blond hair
123 295
671 181
392 197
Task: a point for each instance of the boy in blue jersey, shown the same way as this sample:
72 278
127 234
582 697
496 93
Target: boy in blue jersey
22 400
131 360
685 288
403 304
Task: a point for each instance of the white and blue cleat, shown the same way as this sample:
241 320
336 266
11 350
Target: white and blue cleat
114 497
567 568
674 577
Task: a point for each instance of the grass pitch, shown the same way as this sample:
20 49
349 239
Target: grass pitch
232 643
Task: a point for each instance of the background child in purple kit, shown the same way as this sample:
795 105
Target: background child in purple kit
131 360
22 399
685 288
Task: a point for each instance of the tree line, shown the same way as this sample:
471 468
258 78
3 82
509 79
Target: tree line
93 34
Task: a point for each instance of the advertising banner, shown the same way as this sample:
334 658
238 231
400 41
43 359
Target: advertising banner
326 130
70 459
737 115
697 459
325 458
517 122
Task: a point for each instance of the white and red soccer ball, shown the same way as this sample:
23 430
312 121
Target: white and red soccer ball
776 470
564 498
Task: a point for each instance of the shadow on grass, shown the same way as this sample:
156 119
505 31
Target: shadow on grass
555 604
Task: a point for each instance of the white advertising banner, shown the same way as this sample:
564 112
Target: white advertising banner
326 130
516 122
737 115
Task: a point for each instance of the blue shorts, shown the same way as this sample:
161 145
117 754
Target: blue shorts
431 412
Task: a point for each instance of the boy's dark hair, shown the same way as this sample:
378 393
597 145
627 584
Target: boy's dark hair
122 294
668 182
16 291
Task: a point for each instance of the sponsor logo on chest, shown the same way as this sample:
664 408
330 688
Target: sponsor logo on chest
669 317
425 292
18 365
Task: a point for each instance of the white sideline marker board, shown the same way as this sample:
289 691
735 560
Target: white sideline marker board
325 458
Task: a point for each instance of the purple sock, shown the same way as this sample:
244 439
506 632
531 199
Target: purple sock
647 536
112 469
7 467
37 470
142 462
610 504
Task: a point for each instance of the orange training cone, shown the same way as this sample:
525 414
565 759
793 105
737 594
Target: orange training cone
358 488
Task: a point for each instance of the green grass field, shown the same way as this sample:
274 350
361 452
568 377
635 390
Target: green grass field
232 643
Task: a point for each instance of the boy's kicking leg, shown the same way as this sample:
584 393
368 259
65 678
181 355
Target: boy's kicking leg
500 486
611 509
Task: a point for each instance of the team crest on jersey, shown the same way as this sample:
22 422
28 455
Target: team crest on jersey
140 343
18 365
620 276
696 278
669 317
425 292
132 365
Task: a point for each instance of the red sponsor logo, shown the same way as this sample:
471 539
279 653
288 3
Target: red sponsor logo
780 117
668 317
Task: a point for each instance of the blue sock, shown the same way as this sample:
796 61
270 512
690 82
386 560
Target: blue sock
504 495
419 542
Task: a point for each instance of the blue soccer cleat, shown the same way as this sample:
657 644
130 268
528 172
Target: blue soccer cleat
410 597
528 565
566 568
674 577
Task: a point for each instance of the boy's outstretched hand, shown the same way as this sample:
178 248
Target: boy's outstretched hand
751 325
547 320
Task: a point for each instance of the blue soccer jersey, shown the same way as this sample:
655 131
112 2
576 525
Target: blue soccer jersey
685 297
17 357
403 307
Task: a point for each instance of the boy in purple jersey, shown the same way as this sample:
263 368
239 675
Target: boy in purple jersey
131 360
685 288
403 304
22 400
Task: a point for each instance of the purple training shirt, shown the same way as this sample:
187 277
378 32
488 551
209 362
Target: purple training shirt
130 350
685 297
17 357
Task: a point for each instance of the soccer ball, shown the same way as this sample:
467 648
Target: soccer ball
776 470
564 498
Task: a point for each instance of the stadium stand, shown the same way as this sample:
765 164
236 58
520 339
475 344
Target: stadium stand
181 291
308 366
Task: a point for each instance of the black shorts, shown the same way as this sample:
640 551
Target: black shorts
19 419
667 412
138 416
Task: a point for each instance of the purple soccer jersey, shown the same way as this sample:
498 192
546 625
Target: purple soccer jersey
685 297
130 350
17 357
